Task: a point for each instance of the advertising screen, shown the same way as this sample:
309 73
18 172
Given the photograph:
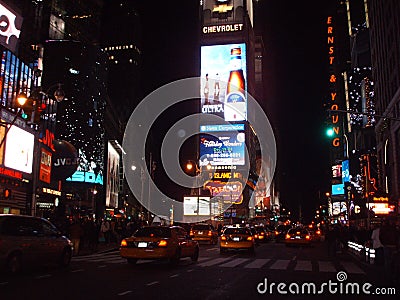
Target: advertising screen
345 171
196 206
19 150
224 81
338 189
228 192
11 24
112 185
222 148
215 11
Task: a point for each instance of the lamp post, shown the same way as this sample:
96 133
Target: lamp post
38 96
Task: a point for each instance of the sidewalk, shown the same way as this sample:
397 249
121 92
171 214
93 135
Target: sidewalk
101 248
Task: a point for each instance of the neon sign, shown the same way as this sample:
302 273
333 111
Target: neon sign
332 83
89 177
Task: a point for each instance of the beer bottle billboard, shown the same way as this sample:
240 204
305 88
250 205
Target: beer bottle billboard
235 99
223 81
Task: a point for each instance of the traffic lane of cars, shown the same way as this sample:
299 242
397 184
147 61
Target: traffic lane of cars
28 241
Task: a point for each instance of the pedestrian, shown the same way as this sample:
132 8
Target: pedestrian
377 245
388 236
105 230
75 234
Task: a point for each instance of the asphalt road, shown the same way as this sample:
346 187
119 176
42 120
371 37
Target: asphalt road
272 271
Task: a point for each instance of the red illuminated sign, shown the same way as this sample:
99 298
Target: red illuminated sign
10 173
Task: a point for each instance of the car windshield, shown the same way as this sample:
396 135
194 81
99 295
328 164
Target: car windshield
236 231
163 232
201 227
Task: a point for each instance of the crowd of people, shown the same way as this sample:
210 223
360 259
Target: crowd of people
383 237
86 233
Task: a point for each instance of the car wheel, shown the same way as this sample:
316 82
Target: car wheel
14 263
195 256
175 259
252 250
65 258
132 261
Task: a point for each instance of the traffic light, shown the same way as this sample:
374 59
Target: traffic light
27 109
39 109
330 132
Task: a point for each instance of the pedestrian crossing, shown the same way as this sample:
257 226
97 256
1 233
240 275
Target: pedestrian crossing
240 262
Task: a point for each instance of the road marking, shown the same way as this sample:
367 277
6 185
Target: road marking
152 283
78 270
303 265
257 263
102 266
234 263
280 264
351 267
43 276
326 266
124 293
212 249
190 270
4 283
203 258
214 262
175 275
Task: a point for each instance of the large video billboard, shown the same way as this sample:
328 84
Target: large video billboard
112 185
222 149
224 81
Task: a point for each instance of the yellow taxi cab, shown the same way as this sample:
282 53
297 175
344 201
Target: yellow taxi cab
159 242
237 238
298 236
204 233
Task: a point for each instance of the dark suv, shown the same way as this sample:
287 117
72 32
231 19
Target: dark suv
28 241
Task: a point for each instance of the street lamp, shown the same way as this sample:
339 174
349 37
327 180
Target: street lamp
22 102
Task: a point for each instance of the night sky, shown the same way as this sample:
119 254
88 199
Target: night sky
295 72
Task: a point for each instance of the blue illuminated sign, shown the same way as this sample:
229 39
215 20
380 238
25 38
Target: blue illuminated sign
222 127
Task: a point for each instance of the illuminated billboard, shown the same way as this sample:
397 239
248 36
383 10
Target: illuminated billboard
19 150
11 23
112 185
338 189
197 206
222 149
229 192
222 11
224 81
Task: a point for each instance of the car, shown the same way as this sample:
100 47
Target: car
315 234
235 238
28 241
159 242
204 232
280 232
298 236
263 235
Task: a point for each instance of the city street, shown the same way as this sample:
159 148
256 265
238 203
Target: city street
234 275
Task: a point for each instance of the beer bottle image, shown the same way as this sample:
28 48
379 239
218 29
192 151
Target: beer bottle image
235 101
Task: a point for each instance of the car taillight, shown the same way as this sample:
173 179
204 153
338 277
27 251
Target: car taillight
287 236
318 232
162 243
209 233
307 237
276 232
256 236
262 233
249 238
191 232
124 243
223 238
